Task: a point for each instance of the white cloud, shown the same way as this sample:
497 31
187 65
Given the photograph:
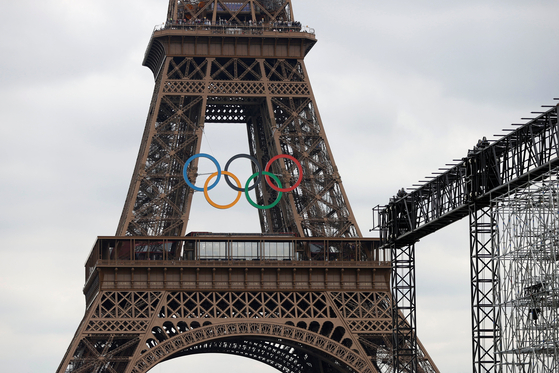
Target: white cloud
403 87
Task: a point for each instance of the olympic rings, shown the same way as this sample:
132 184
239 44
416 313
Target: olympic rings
253 160
258 175
271 204
223 206
298 180
185 174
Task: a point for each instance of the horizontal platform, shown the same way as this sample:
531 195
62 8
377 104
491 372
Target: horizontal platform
237 262
224 42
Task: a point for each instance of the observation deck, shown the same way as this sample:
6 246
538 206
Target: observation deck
236 262
226 39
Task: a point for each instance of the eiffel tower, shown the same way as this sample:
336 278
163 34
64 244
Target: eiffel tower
309 293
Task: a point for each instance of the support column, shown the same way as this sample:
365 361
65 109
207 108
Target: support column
484 289
404 333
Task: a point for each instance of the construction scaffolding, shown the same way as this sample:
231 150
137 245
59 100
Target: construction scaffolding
527 302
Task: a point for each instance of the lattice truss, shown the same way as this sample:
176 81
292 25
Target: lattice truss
233 11
403 292
161 192
273 97
487 169
529 296
131 331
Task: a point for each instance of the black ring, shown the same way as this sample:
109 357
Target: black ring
253 160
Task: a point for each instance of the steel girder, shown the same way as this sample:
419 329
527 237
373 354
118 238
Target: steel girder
485 292
488 172
404 337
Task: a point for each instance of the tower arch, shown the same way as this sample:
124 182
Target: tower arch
285 347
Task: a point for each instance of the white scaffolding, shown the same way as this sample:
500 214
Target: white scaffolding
528 253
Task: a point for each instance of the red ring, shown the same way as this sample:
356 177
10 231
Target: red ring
285 190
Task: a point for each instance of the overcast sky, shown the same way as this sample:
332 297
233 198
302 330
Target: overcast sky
403 87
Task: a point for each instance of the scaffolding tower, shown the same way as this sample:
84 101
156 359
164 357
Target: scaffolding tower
527 302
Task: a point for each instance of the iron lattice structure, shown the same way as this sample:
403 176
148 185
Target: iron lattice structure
308 294
506 167
294 307
528 299
234 62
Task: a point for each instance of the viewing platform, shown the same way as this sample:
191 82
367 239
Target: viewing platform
227 261
236 28
222 39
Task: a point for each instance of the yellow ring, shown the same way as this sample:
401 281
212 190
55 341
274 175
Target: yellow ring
215 204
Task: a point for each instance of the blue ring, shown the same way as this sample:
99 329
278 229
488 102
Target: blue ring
185 174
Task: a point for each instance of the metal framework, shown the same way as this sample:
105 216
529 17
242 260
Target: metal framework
309 294
529 288
405 353
470 188
488 171
484 272
234 62
304 304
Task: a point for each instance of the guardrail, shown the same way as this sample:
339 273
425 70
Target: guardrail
181 251
233 29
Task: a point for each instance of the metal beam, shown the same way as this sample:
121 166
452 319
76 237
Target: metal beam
488 171
468 188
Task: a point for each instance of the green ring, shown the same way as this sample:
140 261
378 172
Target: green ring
271 204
